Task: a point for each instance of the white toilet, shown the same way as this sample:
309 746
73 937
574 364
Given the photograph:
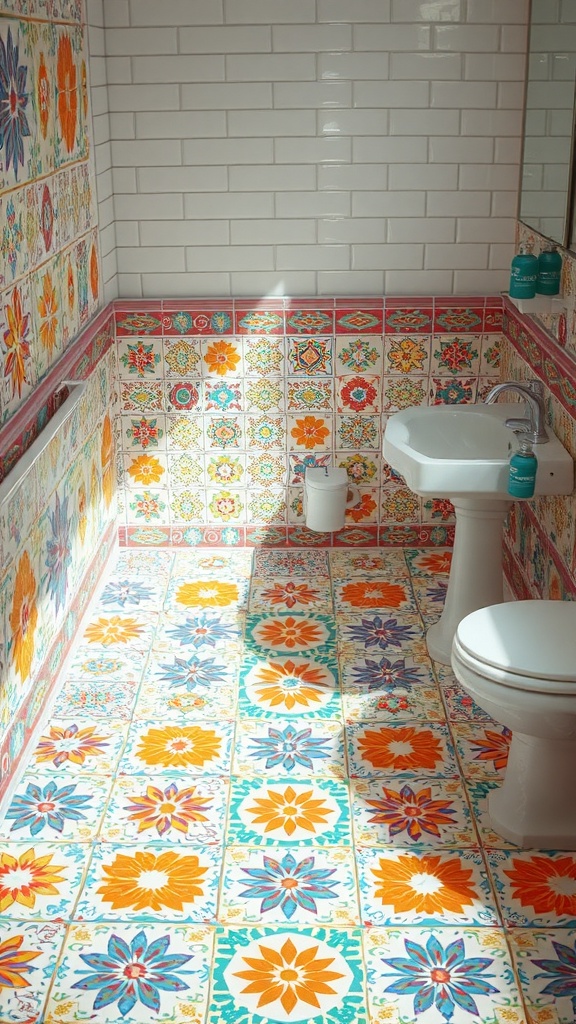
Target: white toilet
518 661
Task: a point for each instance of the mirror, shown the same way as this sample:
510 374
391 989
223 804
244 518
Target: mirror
547 157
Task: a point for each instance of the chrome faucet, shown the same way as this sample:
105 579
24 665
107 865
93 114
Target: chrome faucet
531 425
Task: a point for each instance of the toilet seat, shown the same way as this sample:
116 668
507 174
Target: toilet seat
528 645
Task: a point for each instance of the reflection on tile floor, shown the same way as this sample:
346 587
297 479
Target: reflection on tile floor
257 800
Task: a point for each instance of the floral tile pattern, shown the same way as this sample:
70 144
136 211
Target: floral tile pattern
262 805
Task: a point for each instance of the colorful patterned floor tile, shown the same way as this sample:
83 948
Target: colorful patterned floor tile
40 881
119 631
283 885
281 810
132 972
407 748
131 593
460 706
346 565
413 701
199 631
29 952
162 809
290 746
197 749
266 975
68 747
424 887
478 794
535 888
429 563
141 882
284 594
546 963
439 974
377 634
204 593
310 564
105 666
184 704
96 699
482 749
290 633
374 595
430 597
288 685
414 812
48 809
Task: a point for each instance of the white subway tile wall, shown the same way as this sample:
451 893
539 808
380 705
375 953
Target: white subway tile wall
328 146
101 135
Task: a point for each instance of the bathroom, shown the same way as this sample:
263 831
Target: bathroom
256 229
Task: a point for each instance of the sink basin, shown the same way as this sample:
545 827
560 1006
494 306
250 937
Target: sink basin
451 451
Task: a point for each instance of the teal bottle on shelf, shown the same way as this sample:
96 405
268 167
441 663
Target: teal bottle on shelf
522 476
523 274
549 271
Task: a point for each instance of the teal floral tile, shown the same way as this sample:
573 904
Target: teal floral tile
291 746
424 887
289 685
198 748
200 631
374 595
263 975
168 810
535 888
48 809
449 973
382 633
417 812
289 811
70 748
282 593
151 881
413 701
405 748
546 960
42 881
135 970
482 748
29 951
283 885
289 633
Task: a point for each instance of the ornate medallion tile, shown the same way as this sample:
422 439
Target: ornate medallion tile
199 748
535 889
345 565
460 706
168 810
443 973
397 702
29 952
424 887
128 971
151 882
289 811
40 880
289 747
412 812
47 809
263 975
182 704
401 748
288 685
94 699
291 563
68 748
280 885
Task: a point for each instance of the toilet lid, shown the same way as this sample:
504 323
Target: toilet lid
528 638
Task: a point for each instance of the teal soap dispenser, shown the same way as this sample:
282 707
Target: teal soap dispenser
549 271
522 475
523 274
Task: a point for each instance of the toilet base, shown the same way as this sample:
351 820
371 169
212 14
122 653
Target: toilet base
536 805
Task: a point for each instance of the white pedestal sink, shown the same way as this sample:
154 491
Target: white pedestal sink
462 452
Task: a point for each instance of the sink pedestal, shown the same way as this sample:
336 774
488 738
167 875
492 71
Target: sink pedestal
476 579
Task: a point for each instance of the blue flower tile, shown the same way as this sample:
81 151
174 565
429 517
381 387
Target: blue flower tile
291 747
47 808
546 964
133 972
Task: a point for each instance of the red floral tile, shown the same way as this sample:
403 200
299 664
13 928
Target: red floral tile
455 318
411 317
251 318
138 322
360 319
